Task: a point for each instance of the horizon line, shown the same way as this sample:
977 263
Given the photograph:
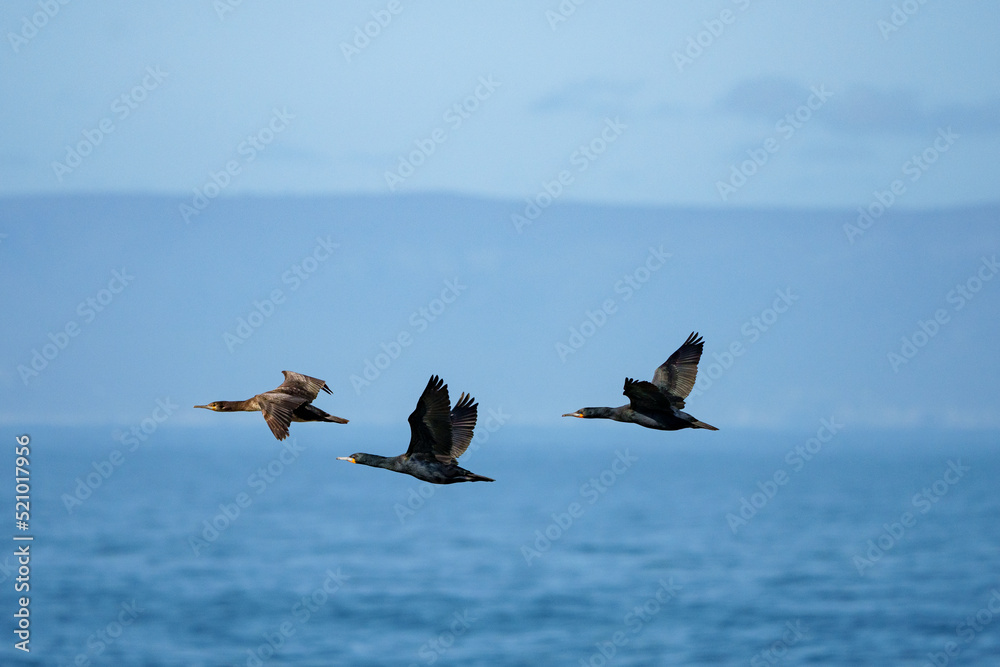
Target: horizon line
459 195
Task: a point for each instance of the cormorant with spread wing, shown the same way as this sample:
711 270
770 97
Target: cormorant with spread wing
438 436
290 402
658 404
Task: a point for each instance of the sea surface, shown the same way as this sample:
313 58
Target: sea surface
599 543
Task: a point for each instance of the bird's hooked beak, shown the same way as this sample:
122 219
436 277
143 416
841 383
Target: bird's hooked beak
346 458
574 414
207 407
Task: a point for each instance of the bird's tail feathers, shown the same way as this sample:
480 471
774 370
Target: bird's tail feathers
321 415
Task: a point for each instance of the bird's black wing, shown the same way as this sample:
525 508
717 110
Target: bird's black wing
675 377
463 423
277 408
430 422
297 384
645 396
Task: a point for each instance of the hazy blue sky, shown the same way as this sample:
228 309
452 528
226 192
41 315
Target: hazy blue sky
837 95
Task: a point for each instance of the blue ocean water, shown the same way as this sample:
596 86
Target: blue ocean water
599 544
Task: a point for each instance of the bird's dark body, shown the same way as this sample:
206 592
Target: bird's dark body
423 467
659 420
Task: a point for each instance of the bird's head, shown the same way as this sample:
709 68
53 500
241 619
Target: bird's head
583 413
217 406
372 460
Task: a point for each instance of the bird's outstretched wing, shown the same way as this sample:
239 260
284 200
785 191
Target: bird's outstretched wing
675 377
277 408
645 396
430 421
463 423
297 384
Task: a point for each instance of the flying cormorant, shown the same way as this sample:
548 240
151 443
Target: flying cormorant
290 402
438 436
658 404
